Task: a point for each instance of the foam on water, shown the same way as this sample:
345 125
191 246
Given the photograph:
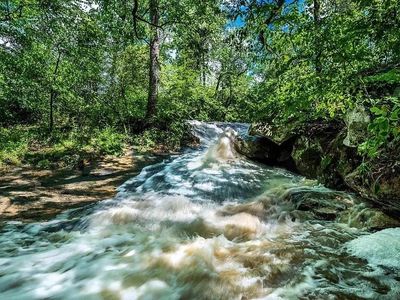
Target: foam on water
379 249
207 224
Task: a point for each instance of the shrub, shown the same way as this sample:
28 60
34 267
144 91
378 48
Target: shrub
384 128
108 142
14 144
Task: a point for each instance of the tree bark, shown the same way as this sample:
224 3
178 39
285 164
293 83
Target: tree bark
274 13
53 93
154 73
203 62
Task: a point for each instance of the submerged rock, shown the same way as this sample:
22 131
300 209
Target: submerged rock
337 206
362 216
324 204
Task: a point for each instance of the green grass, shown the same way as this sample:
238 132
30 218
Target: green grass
23 144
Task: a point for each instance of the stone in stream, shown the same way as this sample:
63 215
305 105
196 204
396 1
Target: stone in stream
323 205
264 150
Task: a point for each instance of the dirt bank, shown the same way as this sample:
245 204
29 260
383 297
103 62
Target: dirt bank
29 194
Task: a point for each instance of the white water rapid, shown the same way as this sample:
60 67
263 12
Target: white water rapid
205 224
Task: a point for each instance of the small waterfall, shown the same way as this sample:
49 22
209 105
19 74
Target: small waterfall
205 224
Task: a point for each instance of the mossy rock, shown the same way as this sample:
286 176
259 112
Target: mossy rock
368 218
279 134
357 121
381 184
324 204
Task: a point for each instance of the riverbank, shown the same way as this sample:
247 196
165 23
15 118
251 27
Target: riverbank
330 151
31 194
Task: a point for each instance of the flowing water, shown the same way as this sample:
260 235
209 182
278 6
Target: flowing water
206 224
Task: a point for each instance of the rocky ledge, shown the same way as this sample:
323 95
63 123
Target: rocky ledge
327 151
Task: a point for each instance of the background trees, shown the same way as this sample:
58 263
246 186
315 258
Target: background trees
143 64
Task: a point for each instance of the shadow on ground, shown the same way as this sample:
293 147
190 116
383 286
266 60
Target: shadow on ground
28 194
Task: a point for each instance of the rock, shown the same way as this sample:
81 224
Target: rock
319 153
279 134
257 148
383 188
307 155
324 205
188 138
363 216
357 121
327 151
264 150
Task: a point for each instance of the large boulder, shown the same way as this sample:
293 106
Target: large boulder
380 184
357 121
264 150
279 134
319 153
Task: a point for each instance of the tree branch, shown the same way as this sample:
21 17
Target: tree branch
134 19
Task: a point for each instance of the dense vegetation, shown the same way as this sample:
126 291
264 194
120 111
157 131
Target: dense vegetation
87 76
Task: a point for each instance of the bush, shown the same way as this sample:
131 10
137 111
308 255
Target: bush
14 144
384 128
29 144
160 140
108 142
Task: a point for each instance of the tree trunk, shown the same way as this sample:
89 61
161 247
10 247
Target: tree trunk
154 74
203 62
53 93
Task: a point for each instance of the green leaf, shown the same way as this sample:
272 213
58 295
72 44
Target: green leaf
376 110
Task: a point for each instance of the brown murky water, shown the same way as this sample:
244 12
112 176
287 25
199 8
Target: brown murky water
206 224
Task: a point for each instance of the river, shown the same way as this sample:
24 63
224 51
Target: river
205 224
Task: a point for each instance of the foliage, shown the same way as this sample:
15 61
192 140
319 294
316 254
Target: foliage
79 70
13 145
392 76
107 142
384 128
23 144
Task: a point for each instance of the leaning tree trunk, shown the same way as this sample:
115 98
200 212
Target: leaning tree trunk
154 74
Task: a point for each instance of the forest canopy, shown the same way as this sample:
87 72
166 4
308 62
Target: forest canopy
145 66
